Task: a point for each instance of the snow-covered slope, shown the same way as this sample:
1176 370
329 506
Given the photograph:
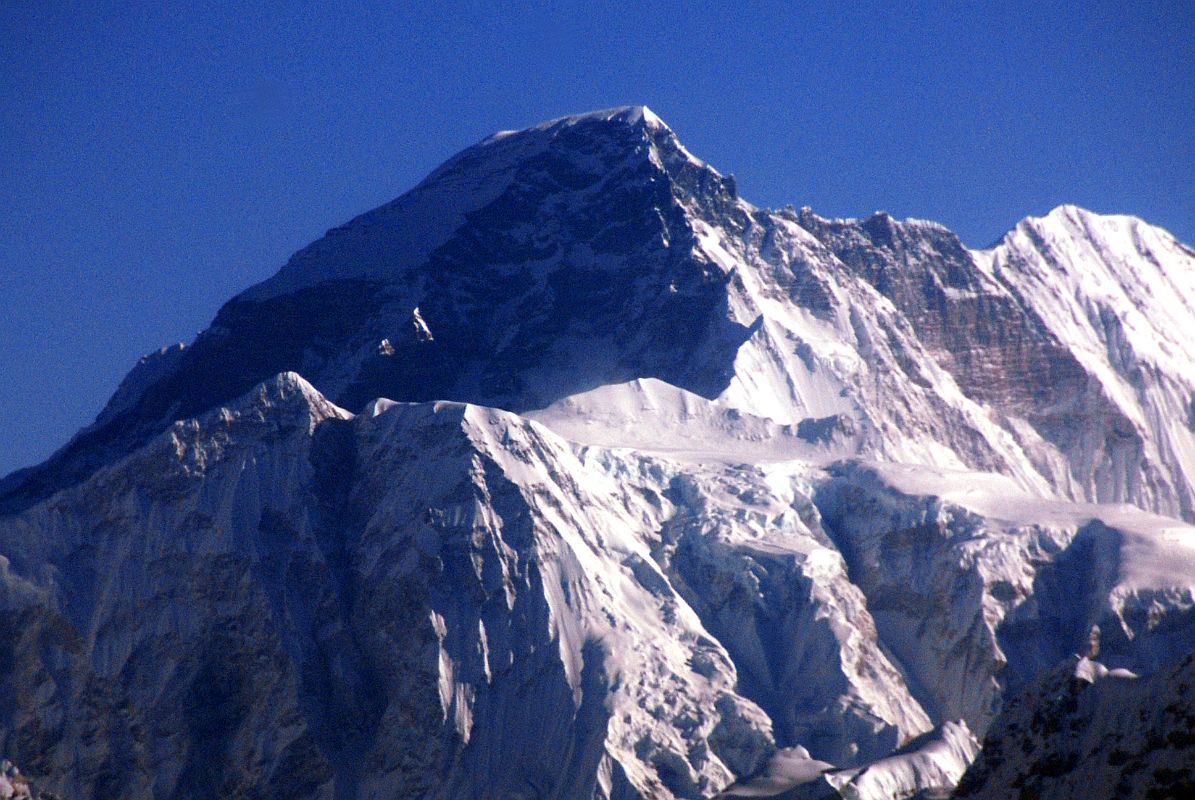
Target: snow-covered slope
670 494
1121 295
404 601
430 595
432 598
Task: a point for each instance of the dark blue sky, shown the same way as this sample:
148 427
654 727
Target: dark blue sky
153 164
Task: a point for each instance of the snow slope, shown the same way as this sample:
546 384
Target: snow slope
1121 294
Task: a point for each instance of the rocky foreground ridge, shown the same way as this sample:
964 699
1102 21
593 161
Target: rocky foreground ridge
570 473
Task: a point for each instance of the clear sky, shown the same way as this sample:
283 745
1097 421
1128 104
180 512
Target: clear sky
154 163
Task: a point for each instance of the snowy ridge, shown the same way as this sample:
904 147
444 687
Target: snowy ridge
655 417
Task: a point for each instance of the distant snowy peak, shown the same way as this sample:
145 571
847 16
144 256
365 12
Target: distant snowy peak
1110 231
1127 246
1090 271
1120 294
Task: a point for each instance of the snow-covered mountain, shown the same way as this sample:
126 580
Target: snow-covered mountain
665 495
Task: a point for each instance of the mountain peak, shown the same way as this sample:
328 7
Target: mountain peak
1099 235
287 395
1075 221
653 463
631 117
625 115
1094 237
558 156
591 250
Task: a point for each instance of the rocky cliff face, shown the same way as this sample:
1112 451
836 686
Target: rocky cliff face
1082 730
671 495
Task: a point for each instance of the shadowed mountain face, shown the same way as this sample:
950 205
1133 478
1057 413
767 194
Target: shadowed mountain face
576 270
678 494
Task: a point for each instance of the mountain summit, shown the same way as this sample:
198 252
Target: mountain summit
571 473
541 262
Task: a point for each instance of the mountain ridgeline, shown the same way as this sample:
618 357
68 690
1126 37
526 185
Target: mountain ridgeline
572 474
